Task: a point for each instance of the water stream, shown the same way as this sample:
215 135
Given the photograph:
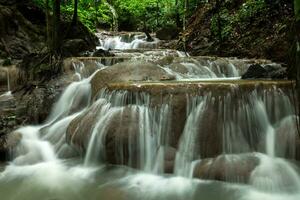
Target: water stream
235 145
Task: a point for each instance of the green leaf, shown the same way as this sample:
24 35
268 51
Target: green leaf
297 9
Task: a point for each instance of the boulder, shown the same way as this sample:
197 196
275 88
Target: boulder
74 47
257 71
229 168
102 53
179 68
119 132
167 33
128 71
80 31
7 143
19 35
288 138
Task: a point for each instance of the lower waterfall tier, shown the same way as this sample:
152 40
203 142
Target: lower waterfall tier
168 127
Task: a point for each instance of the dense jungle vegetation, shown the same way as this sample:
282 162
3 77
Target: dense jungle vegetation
129 14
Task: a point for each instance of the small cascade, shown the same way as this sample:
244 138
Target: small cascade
188 150
7 95
128 42
8 82
143 130
160 127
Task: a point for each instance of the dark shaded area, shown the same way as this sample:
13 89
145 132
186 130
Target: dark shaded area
265 34
23 31
257 71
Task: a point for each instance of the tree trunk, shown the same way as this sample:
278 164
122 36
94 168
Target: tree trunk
177 14
157 13
48 39
184 14
218 9
75 13
184 25
56 28
297 53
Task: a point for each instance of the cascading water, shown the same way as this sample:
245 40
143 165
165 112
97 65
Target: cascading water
7 95
161 142
138 41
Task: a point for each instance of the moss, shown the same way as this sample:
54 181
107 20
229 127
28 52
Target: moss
194 87
7 62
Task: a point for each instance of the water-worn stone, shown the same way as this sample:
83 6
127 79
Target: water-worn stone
167 33
74 47
120 134
19 36
257 71
230 168
7 143
102 53
287 138
128 71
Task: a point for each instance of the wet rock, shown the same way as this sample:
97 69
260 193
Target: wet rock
178 67
7 143
74 47
167 60
229 168
287 139
257 71
128 71
169 159
39 103
120 134
21 36
102 53
167 33
276 71
80 31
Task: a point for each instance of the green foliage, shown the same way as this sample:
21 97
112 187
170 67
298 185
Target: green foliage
250 9
242 17
90 12
7 62
133 14
39 3
297 9
145 13
226 23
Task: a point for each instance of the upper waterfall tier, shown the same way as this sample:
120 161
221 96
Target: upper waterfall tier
125 40
181 68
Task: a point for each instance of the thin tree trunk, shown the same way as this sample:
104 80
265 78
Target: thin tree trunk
184 26
297 55
218 8
157 13
75 13
185 14
56 27
177 14
48 39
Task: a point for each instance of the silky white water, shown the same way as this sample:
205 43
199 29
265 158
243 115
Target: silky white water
131 144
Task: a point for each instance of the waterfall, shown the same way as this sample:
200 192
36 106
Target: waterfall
8 82
188 147
199 134
147 130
